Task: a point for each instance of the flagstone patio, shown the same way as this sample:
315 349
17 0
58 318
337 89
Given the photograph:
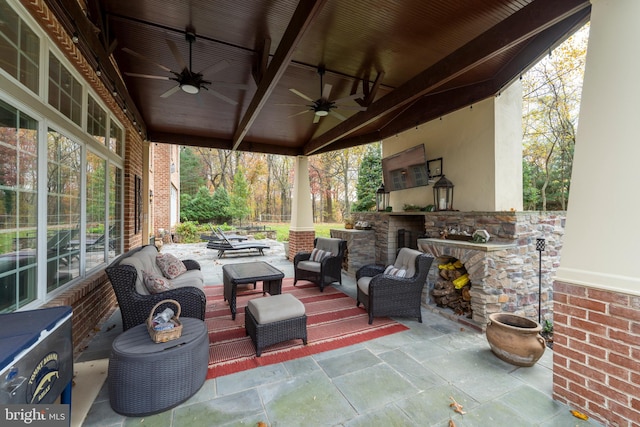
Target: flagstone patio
404 379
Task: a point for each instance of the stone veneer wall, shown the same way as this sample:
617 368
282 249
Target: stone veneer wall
596 352
360 248
512 286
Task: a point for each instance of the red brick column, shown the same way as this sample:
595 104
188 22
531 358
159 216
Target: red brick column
596 353
300 241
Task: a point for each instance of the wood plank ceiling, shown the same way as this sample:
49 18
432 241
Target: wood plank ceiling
408 61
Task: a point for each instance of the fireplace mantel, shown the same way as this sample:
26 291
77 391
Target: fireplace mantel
485 247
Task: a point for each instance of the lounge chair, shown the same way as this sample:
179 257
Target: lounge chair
218 235
225 245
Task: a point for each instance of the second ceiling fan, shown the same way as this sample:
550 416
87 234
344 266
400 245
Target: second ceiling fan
324 106
189 81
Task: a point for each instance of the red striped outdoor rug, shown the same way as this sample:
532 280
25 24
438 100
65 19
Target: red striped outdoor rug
333 321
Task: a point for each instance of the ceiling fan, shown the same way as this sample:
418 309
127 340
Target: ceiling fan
189 81
324 106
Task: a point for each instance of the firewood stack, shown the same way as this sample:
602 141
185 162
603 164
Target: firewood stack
452 289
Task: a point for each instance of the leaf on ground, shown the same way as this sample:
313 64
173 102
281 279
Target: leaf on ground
456 406
579 415
451 423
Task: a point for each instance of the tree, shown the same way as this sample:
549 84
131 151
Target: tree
239 208
200 208
369 179
191 167
221 203
552 90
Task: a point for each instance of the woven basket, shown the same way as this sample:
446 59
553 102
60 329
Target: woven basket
170 334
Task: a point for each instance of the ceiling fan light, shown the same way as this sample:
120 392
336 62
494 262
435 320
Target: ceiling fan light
322 113
189 88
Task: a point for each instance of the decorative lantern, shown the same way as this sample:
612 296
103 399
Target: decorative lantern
382 198
443 194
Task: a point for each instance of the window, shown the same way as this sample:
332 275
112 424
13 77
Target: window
115 212
96 121
63 209
65 92
116 138
18 208
19 48
95 243
78 224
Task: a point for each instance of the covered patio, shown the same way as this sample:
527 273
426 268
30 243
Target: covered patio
404 379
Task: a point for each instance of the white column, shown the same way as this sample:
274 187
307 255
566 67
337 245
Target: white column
301 209
602 240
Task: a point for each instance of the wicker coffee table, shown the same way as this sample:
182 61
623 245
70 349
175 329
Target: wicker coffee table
146 378
247 273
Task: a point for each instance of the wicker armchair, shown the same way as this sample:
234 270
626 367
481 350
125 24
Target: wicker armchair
388 295
135 307
325 272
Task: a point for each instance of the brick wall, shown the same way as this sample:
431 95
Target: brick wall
93 301
162 187
596 360
300 241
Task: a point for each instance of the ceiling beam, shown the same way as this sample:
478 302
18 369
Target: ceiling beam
301 20
524 24
221 143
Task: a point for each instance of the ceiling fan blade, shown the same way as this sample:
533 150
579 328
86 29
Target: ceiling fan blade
352 107
144 58
239 86
337 115
300 113
218 66
301 95
170 91
177 55
349 98
147 76
291 105
316 118
326 92
224 98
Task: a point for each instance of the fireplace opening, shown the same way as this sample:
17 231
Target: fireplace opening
452 286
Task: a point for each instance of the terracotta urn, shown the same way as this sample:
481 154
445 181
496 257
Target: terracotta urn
515 339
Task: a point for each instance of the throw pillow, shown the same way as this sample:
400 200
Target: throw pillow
155 284
318 255
170 266
393 271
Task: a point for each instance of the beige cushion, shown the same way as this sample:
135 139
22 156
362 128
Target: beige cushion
310 266
189 278
406 260
145 260
276 307
329 244
363 284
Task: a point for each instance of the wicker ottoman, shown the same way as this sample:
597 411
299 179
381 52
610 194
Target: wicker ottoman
146 378
275 319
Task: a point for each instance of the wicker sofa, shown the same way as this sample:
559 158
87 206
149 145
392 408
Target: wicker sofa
392 295
125 274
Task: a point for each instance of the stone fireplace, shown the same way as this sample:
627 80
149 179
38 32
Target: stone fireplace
503 272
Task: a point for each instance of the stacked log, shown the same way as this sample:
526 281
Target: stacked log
452 289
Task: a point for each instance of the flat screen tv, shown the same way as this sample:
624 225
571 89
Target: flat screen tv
406 169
